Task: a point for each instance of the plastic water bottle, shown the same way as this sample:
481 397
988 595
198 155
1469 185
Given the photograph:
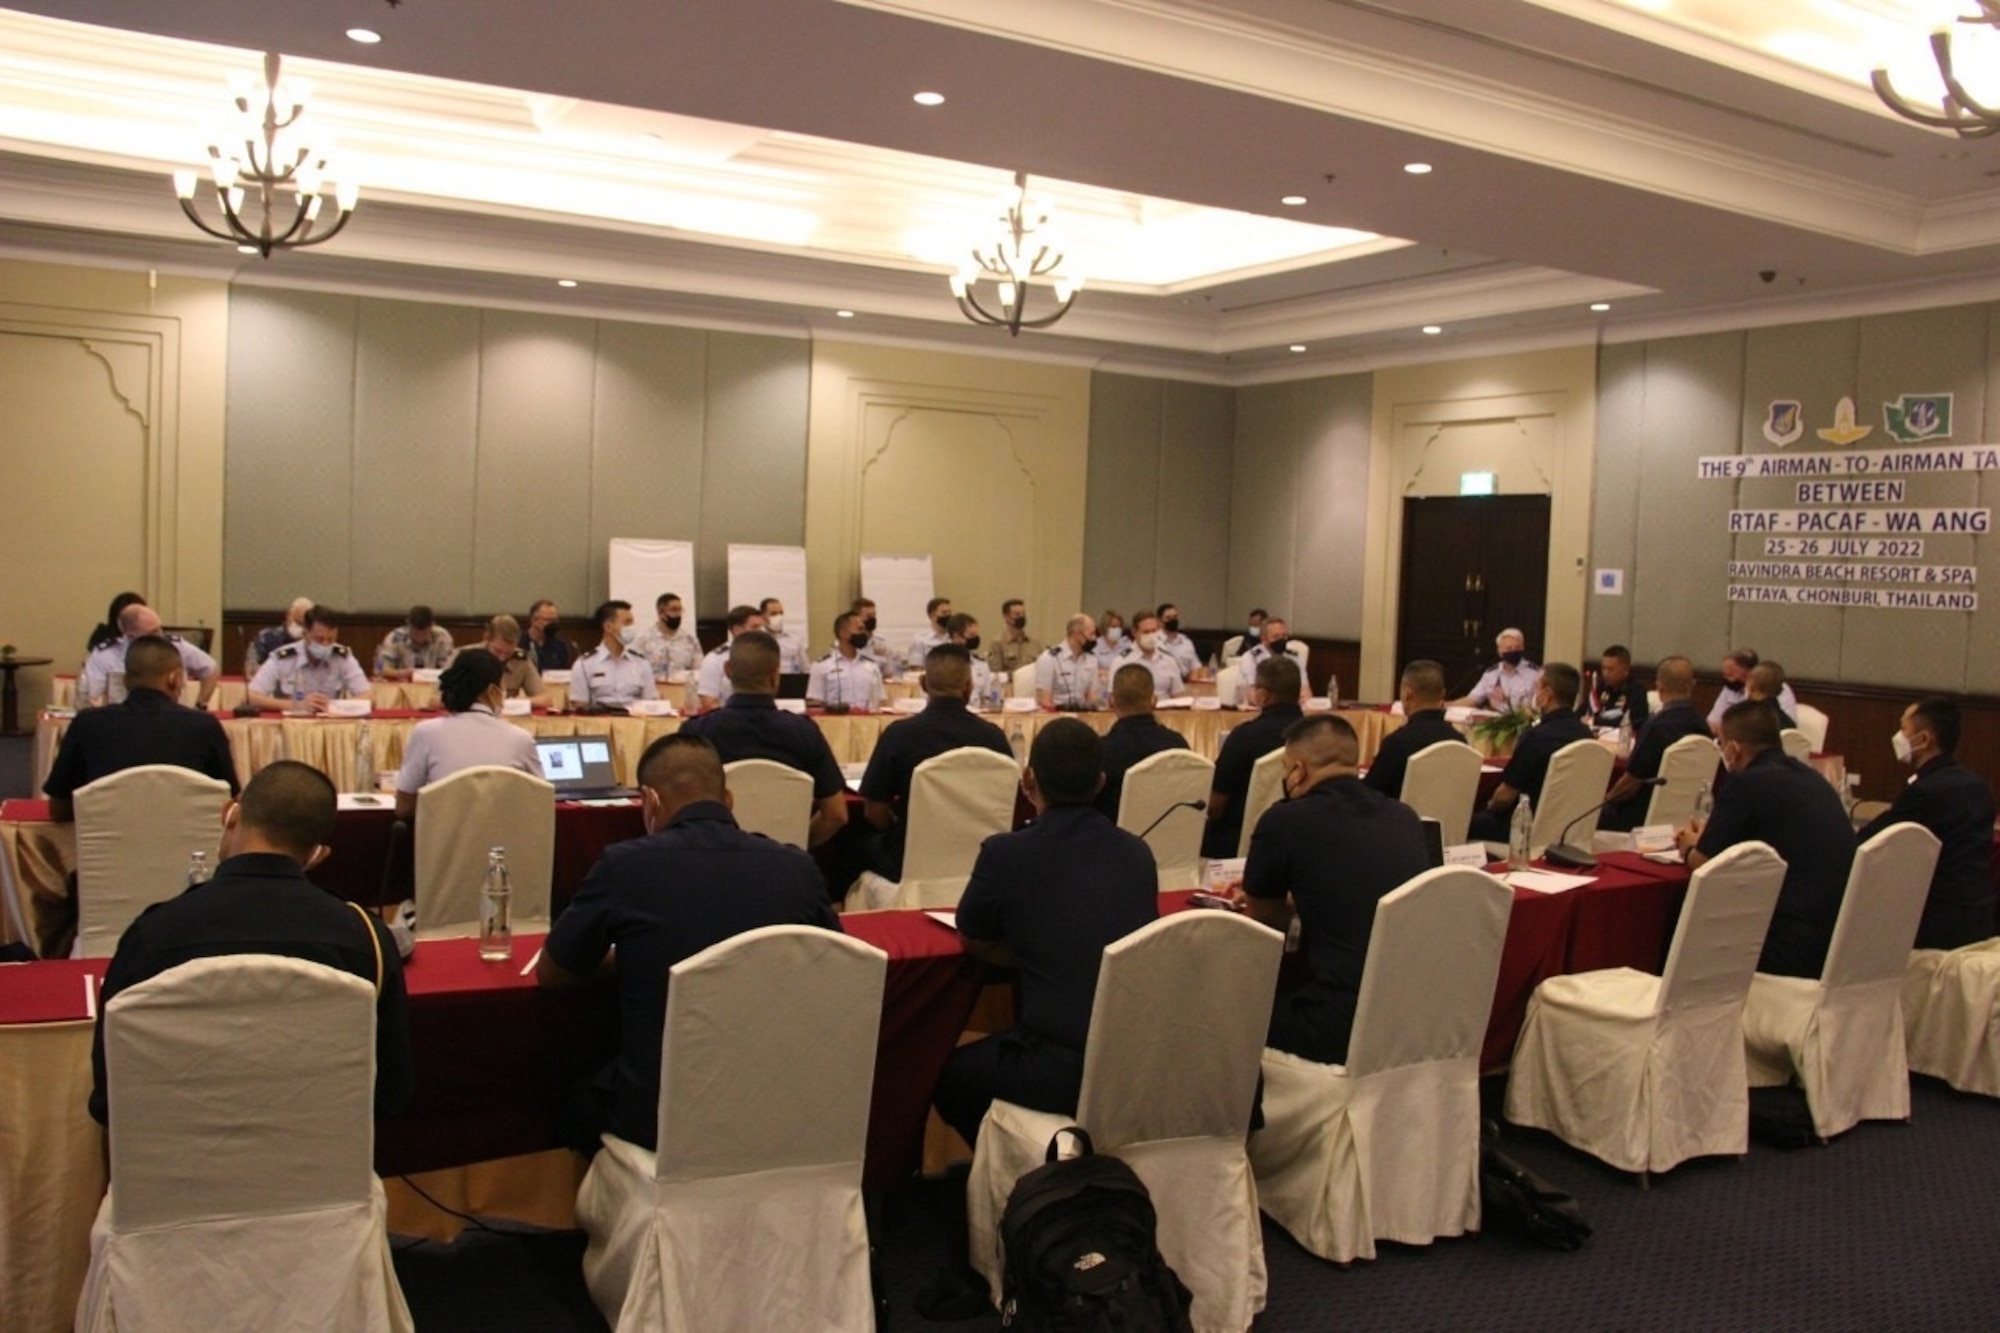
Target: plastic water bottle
496 910
1017 739
1518 833
199 870
1704 803
364 761
1625 735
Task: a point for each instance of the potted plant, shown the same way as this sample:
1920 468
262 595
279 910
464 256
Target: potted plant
1498 734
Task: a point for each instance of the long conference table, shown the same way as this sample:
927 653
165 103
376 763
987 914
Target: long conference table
494 1055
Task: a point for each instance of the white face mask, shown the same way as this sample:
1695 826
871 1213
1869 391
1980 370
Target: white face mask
1113 634
628 635
775 624
1901 745
1148 640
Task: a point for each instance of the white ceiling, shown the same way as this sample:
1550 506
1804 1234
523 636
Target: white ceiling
1648 153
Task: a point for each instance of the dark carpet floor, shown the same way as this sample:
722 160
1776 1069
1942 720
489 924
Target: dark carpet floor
1890 1227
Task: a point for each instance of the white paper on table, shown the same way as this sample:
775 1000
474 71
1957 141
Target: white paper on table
1665 858
1466 854
351 800
792 705
556 676
1546 881
1653 838
1178 701
1462 714
949 920
1206 703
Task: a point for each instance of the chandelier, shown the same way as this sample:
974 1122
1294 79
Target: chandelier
1022 251
1960 112
268 179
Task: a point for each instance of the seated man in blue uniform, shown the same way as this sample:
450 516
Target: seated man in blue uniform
946 724
1773 798
1330 850
1047 900
1274 693
1424 725
1135 737
260 902
1677 720
694 880
1956 804
1555 700
151 726
750 725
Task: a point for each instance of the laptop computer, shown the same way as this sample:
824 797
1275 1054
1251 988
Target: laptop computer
580 768
792 684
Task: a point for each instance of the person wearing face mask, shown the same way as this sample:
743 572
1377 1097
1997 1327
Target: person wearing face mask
471 733
1277 643
964 632
1956 805
1527 768
1014 647
845 679
669 642
545 645
1331 850
938 612
1736 669
419 642
1066 675
712 685
611 675
105 667
1775 799
1149 651
1111 639
1275 693
878 651
695 879
318 669
791 647
271 640
1176 644
1233 649
1509 683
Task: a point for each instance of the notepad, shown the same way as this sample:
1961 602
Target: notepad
1545 881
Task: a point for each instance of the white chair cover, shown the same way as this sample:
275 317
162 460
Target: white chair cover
749 1216
1645 1072
1441 783
1297 650
1814 724
771 798
1152 787
1021 685
1232 648
1229 686
460 819
1267 778
1577 779
1688 762
1797 744
958 800
1951 1012
1386 1147
134 831
1843 1034
1168 1078
242 1189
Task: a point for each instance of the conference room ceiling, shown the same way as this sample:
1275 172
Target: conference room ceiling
1660 156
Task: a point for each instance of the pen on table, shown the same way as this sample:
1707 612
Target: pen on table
531 963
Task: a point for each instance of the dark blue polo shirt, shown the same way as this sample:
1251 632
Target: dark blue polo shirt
1130 741
148 728
1056 893
1675 722
1248 742
1781 801
660 899
1956 804
1419 731
752 726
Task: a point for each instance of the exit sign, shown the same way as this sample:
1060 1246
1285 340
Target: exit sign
1475 483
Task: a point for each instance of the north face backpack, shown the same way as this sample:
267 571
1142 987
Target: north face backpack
1081 1250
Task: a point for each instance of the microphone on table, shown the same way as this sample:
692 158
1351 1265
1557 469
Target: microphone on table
1560 853
1177 805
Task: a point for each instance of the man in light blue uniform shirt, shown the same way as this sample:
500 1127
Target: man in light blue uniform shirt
1509 683
712 687
938 611
1148 650
316 670
136 622
612 675
844 678
792 659
1179 645
1066 675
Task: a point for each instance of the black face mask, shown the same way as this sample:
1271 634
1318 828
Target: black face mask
672 623
1513 657
1088 645
1171 626
1017 622
857 641
940 621
1277 646
869 624
972 643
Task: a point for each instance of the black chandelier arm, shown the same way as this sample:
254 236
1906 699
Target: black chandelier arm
969 305
262 237
1962 113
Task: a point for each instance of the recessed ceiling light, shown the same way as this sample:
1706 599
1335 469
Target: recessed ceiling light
565 282
843 314
1293 201
928 99
365 36
1298 347
1433 329
1417 168
246 249
1599 307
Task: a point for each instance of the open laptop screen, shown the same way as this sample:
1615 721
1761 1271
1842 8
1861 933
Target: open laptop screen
577 762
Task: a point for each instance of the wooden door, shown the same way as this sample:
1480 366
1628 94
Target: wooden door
1472 566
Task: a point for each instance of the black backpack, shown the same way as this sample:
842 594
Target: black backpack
1081 1252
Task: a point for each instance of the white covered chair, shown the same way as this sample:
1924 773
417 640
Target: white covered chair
1688 763
749 1215
134 831
1168 1077
459 820
1154 786
958 800
1951 1013
1441 782
1229 686
243 1192
1232 648
1299 652
1578 777
1646 1072
1842 1035
771 798
1814 724
1796 743
1386 1147
1267 781
1021 685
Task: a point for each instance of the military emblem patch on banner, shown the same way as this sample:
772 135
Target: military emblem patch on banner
1784 421
1845 429
1918 416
